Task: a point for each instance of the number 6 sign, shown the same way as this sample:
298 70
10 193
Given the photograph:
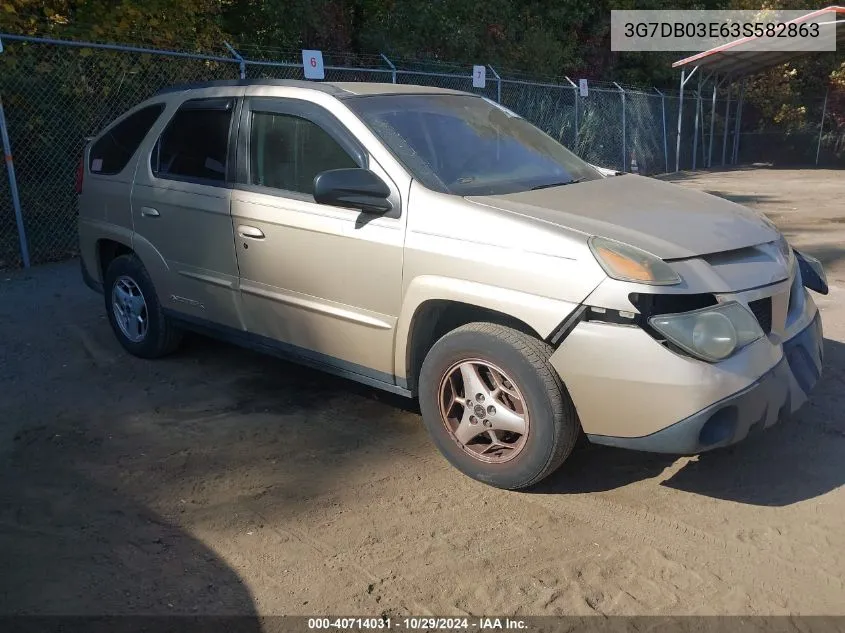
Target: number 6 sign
312 64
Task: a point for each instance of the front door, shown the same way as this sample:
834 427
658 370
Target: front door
318 279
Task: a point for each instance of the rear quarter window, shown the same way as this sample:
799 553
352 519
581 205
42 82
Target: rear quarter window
113 150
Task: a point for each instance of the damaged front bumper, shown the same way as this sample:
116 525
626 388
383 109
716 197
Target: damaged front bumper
779 392
631 391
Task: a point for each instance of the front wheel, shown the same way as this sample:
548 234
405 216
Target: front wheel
495 407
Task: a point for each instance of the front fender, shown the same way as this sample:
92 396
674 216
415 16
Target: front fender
542 314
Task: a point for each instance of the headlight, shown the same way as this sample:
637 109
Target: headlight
784 248
786 251
627 263
712 333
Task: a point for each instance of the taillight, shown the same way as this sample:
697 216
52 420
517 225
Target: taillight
80 174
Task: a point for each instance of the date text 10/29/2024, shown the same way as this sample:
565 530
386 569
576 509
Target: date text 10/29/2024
416 623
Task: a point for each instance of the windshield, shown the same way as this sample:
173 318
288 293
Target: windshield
467 145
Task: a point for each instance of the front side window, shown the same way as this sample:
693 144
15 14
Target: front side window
194 145
467 145
287 152
113 150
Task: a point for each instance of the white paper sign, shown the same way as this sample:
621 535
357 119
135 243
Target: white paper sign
479 76
97 164
582 87
312 64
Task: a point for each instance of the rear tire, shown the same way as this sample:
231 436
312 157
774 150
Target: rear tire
520 382
134 310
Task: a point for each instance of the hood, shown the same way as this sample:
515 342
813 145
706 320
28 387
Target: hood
670 221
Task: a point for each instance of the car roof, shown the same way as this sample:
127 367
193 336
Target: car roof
340 90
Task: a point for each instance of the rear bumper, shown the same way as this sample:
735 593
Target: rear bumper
780 391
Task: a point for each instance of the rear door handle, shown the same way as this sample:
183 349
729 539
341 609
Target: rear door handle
251 232
149 212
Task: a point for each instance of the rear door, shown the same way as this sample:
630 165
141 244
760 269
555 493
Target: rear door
181 210
111 166
323 281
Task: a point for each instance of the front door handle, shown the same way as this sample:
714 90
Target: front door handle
251 232
149 212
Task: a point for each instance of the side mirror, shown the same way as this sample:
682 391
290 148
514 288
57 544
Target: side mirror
812 273
354 188
604 171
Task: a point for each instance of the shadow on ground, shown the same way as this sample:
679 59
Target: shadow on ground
74 547
703 173
119 463
830 255
796 460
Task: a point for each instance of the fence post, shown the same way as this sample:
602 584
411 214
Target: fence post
680 120
236 55
735 158
392 67
665 140
624 129
577 96
13 186
821 126
684 79
13 181
716 84
727 123
498 83
703 135
695 127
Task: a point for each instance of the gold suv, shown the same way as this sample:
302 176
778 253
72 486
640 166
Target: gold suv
435 244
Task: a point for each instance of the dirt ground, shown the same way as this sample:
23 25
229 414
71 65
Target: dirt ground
220 481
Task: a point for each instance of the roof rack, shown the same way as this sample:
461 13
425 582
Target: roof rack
229 83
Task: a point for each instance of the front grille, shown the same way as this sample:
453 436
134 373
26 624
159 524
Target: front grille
762 309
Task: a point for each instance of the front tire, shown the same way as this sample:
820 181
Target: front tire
134 310
495 407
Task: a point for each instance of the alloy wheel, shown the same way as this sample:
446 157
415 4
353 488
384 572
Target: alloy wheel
130 309
484 411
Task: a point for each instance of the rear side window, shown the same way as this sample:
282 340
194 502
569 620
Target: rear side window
112 151
287 152
194 145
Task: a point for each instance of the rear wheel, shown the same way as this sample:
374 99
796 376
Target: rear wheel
134 310
495 407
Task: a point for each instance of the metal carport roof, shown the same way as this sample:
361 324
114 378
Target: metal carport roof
737 60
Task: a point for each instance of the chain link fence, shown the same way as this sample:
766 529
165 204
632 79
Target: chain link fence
56 94
54 97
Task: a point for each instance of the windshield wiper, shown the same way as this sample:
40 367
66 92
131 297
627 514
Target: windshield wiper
557 184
